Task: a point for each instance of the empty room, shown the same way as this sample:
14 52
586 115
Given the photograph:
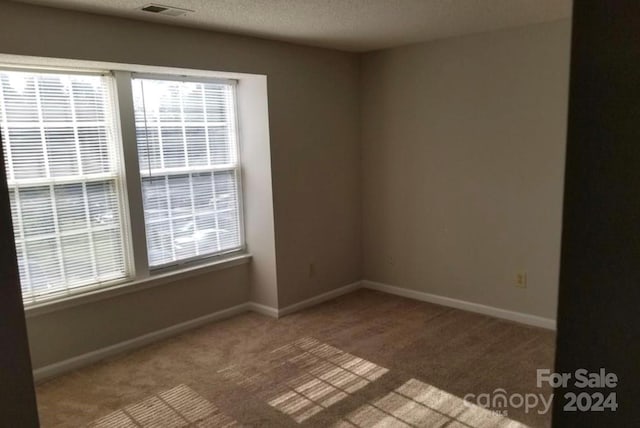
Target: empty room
365 213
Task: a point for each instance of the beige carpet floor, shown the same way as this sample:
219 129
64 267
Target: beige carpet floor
362 360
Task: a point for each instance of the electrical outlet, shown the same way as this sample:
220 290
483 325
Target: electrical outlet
521 280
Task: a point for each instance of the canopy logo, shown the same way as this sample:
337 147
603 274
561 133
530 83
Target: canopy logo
499 401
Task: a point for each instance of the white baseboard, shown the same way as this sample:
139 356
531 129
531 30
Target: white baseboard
319 298
263 309
519 317
56 369
64 366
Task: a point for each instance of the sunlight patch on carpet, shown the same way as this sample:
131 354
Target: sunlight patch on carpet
416 403
177 407
329 376
322 375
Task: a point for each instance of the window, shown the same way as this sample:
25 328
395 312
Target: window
65 169
187 150
64 177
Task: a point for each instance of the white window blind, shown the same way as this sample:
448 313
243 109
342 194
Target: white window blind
62 165
188 154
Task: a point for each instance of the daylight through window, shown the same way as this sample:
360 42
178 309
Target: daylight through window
187 150
65 170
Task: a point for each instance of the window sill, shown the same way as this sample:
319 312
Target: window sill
134 286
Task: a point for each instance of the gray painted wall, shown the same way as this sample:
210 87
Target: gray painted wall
436 167
463 145
314 136
76 330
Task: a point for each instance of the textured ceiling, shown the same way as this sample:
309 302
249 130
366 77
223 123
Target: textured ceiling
353 25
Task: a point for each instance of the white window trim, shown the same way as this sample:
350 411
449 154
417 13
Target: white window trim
102 292
140 275
236 168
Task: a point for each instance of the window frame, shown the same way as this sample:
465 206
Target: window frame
116 177
237 169
129 185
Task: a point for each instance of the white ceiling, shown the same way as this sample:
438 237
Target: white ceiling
352 25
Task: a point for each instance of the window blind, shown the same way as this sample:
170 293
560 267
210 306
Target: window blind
187 148
63 173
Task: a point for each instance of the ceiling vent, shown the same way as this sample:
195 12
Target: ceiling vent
165 10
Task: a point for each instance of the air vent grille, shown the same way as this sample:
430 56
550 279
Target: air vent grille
164 10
